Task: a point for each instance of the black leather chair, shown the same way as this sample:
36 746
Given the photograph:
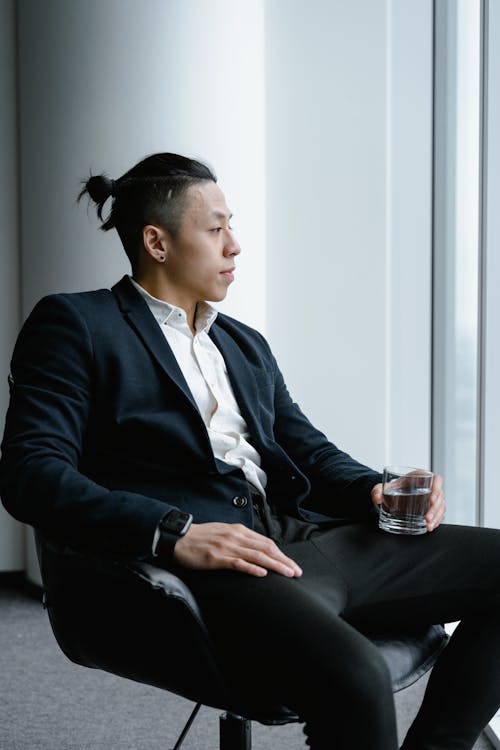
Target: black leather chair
142 622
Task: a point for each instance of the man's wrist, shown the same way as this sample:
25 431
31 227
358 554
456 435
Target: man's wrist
171 527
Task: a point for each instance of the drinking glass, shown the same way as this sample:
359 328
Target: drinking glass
406 500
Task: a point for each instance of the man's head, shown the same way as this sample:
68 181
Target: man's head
152 192
174 224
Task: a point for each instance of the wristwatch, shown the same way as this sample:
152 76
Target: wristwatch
175 522
171 527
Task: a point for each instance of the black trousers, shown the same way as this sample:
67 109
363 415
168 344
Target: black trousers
299 639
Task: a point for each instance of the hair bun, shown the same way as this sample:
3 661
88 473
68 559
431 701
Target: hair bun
100 188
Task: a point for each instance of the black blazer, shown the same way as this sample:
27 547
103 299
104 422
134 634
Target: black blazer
103 436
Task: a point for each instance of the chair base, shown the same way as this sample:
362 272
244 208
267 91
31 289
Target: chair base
187 727
235 732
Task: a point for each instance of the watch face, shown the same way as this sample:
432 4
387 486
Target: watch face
176 521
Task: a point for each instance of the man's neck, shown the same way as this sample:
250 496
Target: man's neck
162 290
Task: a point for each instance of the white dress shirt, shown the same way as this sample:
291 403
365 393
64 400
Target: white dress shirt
205 371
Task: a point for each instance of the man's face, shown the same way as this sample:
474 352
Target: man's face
201 258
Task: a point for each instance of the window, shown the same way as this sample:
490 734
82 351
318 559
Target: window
457 246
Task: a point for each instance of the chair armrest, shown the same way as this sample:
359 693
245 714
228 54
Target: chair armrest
164 582
410 655
59 561
131 619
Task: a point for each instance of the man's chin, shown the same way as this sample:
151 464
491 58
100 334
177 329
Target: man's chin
217 297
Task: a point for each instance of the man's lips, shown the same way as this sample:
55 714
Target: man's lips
229 273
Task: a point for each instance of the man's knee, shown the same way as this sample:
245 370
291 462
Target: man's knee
355 706
361 677
369 679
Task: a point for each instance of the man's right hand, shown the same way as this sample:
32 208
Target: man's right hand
208 546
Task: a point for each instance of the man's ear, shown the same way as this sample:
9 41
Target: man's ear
155 241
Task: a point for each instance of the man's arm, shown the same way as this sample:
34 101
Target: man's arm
40 480
346 486
40 483
341 486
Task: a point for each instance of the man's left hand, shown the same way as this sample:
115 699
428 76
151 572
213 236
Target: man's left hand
437 503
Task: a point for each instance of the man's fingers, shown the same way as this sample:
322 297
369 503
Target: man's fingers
243 566
437 507
218 545
269 550
436 488
265 551
437 482
278 563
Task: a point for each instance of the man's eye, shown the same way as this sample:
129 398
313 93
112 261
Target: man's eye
219 229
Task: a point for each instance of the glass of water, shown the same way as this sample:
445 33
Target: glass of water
406 500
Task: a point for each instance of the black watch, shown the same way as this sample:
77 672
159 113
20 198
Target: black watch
175 522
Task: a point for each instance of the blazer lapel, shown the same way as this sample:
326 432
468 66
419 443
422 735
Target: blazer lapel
240 376
243 383
142 321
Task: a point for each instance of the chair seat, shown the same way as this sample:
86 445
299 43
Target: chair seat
143 623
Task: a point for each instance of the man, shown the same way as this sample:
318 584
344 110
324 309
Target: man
145 425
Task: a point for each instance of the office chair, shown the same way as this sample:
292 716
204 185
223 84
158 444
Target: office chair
142 622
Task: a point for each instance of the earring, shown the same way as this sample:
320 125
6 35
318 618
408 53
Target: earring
161 258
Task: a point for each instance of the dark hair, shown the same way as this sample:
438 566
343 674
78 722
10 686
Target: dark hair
152 192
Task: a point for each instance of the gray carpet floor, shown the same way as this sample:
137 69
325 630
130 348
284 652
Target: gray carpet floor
48 703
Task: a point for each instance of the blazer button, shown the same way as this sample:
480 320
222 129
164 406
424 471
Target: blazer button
239 501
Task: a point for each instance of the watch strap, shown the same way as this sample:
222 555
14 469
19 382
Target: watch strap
169 530
164 551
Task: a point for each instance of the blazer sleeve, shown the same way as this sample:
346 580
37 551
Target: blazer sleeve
340 485
40 482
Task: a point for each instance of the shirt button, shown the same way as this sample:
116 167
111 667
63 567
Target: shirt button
239 501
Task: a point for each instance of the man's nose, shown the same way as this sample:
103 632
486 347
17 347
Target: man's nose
232 246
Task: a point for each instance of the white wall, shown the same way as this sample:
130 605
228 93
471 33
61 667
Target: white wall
103 84
11 547
349 158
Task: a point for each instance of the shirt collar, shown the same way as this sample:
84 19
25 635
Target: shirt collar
167 314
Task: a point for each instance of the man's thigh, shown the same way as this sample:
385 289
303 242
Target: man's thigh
398 581
287 631
229 596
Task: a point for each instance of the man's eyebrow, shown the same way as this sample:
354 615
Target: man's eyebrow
220 215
